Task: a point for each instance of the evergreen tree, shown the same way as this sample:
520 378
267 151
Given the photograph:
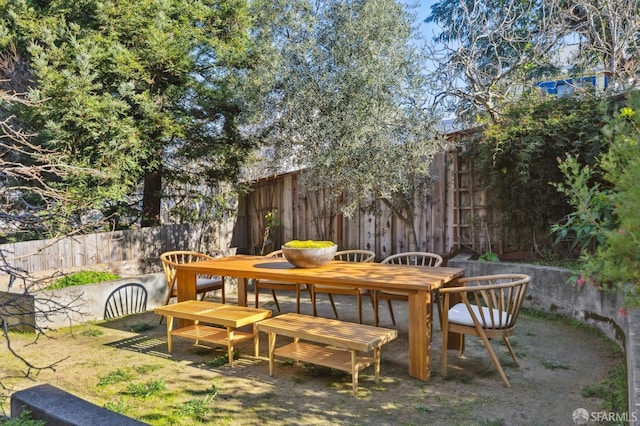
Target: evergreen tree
135 92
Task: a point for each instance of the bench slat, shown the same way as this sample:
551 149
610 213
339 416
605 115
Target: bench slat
322 355
330 332
213 335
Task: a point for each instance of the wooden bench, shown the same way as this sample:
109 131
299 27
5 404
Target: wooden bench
341 343
229 316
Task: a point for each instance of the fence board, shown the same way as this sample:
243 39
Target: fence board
458 214
110 247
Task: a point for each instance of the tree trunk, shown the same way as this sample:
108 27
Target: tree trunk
151 197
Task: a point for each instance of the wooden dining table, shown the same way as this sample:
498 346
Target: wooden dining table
418 282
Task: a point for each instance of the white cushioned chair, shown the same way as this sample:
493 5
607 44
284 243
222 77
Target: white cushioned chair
487 307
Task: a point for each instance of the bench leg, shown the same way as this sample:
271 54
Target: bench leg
296 340
169 330
230 345
256 340
272 345
354 371
376 365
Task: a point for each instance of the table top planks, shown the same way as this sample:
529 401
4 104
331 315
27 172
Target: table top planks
368 275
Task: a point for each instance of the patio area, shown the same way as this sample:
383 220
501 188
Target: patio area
557 361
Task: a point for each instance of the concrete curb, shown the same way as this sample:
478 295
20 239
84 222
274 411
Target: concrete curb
59 408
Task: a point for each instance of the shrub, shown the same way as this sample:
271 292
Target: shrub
614 263
82 278
518 157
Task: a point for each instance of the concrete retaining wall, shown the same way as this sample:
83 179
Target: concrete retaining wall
73 305
550 291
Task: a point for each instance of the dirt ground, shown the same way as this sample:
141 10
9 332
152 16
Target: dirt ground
557 360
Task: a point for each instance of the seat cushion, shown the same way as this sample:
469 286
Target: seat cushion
459 314
202 284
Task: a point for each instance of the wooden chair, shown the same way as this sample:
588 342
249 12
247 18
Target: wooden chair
348 256
204 283
279 285
128 299
411 258
489 308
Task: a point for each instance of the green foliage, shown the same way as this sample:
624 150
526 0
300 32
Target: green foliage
480 72
130 93
147 389
613 390
143 369
489 257
309 244
593 214
555 365
119 406
198 409
24 419
82 278
347 101
141 327
92 332
518 158
116 376
615 263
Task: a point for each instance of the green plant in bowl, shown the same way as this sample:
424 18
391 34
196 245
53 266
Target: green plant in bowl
309 254
309 244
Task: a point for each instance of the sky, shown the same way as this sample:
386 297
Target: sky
424 10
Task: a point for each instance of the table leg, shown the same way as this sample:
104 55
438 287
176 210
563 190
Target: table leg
455 340
242 292
420 311
186 291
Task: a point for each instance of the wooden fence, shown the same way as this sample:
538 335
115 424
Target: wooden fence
459 215
305 215
134 245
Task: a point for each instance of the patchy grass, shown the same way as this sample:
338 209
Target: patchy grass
24 419
120 406
555 365
116 376
198 409
147 368
141 327
612 390
146 389
91 332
